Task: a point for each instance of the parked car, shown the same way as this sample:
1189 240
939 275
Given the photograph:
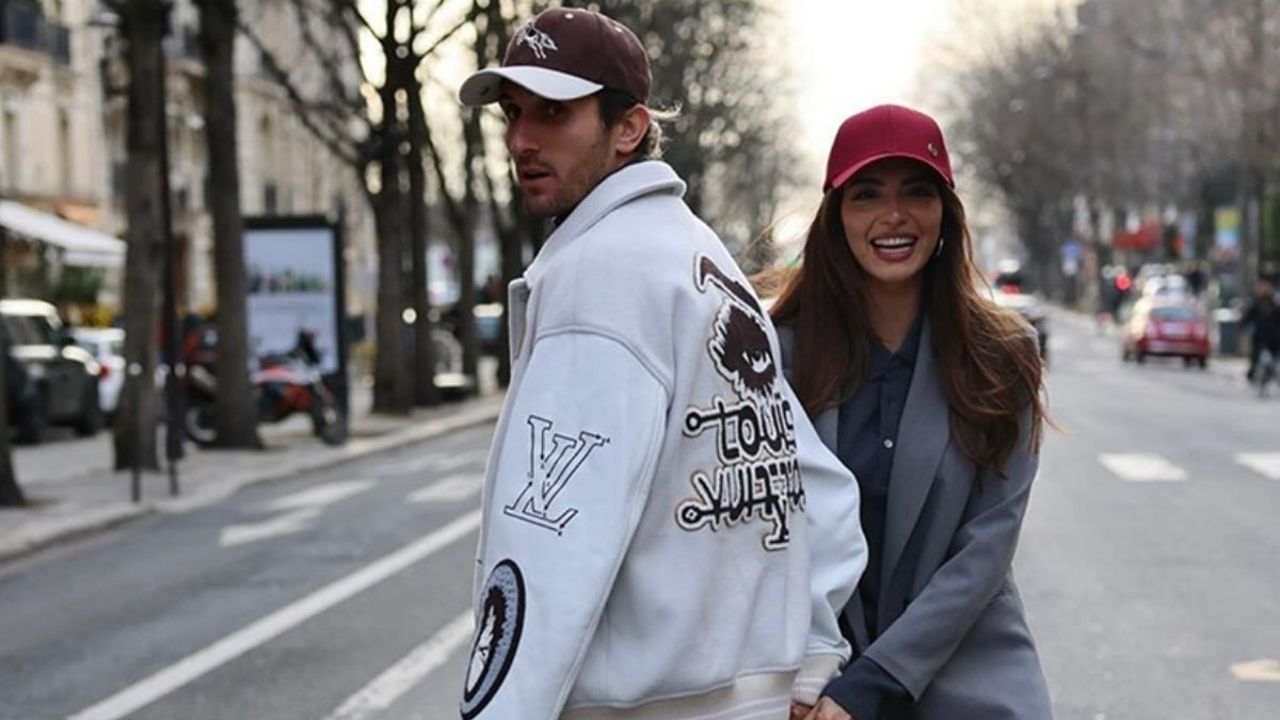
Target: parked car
1166 329
64 375
107 347
1029 307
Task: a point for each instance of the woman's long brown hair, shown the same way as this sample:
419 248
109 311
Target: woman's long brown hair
987 357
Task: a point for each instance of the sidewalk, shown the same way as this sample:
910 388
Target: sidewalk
72 490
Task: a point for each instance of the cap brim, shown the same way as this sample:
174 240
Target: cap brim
485 86
929 162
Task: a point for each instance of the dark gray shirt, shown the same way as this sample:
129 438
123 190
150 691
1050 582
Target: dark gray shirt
868 436
867 439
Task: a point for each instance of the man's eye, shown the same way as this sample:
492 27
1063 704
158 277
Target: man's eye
510 113
553 110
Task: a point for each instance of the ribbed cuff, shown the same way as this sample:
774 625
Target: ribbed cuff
814 674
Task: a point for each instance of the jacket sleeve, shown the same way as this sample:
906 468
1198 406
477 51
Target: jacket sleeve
837 548
915 647
570 479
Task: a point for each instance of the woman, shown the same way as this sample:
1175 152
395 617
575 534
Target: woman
931 395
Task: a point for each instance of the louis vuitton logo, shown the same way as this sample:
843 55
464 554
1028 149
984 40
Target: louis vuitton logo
553 460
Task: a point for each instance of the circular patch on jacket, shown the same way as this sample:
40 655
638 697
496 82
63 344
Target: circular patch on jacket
497 637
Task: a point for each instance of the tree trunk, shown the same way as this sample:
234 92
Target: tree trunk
425 393
142 26
392 391
10 492
236 415
474 140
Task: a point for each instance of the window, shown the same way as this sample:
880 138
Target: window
64 150
11 156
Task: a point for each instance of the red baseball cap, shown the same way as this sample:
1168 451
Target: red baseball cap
566 54
886 131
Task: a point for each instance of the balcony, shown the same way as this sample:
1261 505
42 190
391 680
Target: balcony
28 39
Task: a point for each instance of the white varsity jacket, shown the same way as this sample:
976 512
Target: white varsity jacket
665 536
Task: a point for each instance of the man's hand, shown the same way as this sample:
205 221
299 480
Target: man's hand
826 709
799 711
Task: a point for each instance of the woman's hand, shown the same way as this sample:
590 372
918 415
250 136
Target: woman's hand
826 709
799 711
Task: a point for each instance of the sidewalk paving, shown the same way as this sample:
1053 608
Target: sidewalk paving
72 490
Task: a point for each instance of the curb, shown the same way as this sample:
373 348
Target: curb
92 521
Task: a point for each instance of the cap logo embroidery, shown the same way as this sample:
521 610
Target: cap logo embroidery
933 150
538 41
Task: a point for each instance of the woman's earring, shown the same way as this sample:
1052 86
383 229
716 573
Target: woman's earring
941 242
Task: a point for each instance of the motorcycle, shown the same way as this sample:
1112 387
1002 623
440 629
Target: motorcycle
284 384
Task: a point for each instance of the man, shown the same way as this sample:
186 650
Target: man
1263 319
664 536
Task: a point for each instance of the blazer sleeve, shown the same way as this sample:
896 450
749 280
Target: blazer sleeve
571 477
916 646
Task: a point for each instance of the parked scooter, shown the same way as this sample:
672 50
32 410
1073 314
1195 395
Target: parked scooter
284 384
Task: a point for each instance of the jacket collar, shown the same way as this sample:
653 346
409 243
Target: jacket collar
622 186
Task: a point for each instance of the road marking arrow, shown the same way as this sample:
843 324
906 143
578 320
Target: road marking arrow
300 510
319 495
450 489
292 522
1261 670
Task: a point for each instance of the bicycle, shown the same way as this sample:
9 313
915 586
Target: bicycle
1265 372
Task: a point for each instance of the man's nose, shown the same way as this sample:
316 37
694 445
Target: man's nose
521 140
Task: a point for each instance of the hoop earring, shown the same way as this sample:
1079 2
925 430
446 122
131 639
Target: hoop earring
938 252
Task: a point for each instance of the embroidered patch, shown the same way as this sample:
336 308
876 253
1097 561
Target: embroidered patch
501 623
758 476
551 467
536 40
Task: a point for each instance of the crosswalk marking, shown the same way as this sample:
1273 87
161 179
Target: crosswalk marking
1267 464
1142 467
409 671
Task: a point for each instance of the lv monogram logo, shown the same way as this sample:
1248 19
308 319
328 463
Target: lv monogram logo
551 466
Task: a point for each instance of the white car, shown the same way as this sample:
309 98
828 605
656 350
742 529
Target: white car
107 347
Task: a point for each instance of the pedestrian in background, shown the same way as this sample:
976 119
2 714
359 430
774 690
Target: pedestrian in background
653 485
1263 319
932 396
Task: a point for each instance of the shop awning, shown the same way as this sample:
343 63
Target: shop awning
81 246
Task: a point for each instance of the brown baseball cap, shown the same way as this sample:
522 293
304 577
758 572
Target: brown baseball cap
566 54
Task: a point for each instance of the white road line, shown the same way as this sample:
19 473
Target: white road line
1267 464
319 495
232 646
450 489
1142 467
400 678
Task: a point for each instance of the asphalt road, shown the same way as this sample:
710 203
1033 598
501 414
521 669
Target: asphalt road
1150 565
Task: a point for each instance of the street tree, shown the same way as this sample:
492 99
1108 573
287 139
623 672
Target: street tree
235 412
142 26
356 104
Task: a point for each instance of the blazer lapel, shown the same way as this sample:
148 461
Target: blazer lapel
923 433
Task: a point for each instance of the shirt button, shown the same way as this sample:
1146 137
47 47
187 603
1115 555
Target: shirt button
888 443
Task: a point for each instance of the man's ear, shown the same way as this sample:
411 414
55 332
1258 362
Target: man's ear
632 128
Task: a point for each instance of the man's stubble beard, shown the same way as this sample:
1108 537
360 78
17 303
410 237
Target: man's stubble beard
581 180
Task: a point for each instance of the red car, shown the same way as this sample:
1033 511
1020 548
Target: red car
1167 330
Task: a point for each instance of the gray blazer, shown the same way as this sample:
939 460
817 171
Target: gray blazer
951 627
